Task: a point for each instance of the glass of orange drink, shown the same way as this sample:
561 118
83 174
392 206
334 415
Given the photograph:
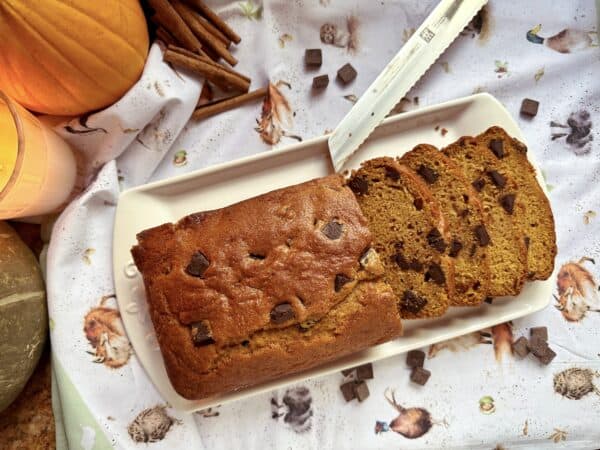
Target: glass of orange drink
37 167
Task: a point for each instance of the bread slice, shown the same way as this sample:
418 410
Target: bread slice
463 212
534 214
507 251
409 233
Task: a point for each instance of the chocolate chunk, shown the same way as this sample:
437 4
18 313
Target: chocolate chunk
435 274
455 248
415 265
340 281
478 184
464 213
401 261
359 185
313 57
418 202
482 235
348 390
320 82
333 230
198 265
347 372
529 107
489 300
392 173
420 375
527 241
497 148
346 73
202 333
411 302
361 391
364 372
537 345
282 313
257 256
415 358
498 179
245 343
508 202
428 174
539 332
547 357
435 239
521 347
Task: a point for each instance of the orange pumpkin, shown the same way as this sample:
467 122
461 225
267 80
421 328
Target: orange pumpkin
69 57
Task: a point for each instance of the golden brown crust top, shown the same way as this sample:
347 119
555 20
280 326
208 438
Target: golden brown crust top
284 247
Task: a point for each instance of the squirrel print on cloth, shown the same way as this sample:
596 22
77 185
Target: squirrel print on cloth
104 330
577 291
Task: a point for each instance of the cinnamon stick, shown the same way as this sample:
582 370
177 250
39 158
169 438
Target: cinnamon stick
207 60
214 30
165 36
201 7
187 14
226 105
212 72
168 17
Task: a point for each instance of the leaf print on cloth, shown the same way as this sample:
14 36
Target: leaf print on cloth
296 409
151 425
577 291
575 383
87 255
577 130
285 37
412 423
250 10
566 41
344 38
500 336
104 330
588 216
538 74
276 116
501 68
558 435
84 128
180 158
486 405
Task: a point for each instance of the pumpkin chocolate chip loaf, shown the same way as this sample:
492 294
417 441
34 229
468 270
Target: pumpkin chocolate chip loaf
498 190
410 235
267 287
535 216
463 213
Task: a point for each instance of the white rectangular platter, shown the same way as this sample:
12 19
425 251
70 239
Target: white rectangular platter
215 187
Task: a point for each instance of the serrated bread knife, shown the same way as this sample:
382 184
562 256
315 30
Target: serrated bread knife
430 40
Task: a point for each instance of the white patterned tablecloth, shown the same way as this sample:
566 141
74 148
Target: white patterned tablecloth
477 397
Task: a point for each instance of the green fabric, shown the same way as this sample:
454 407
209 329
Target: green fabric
72 415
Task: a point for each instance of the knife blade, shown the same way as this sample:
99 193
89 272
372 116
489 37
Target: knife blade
423 48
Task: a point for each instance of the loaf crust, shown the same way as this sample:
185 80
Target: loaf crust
276 249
